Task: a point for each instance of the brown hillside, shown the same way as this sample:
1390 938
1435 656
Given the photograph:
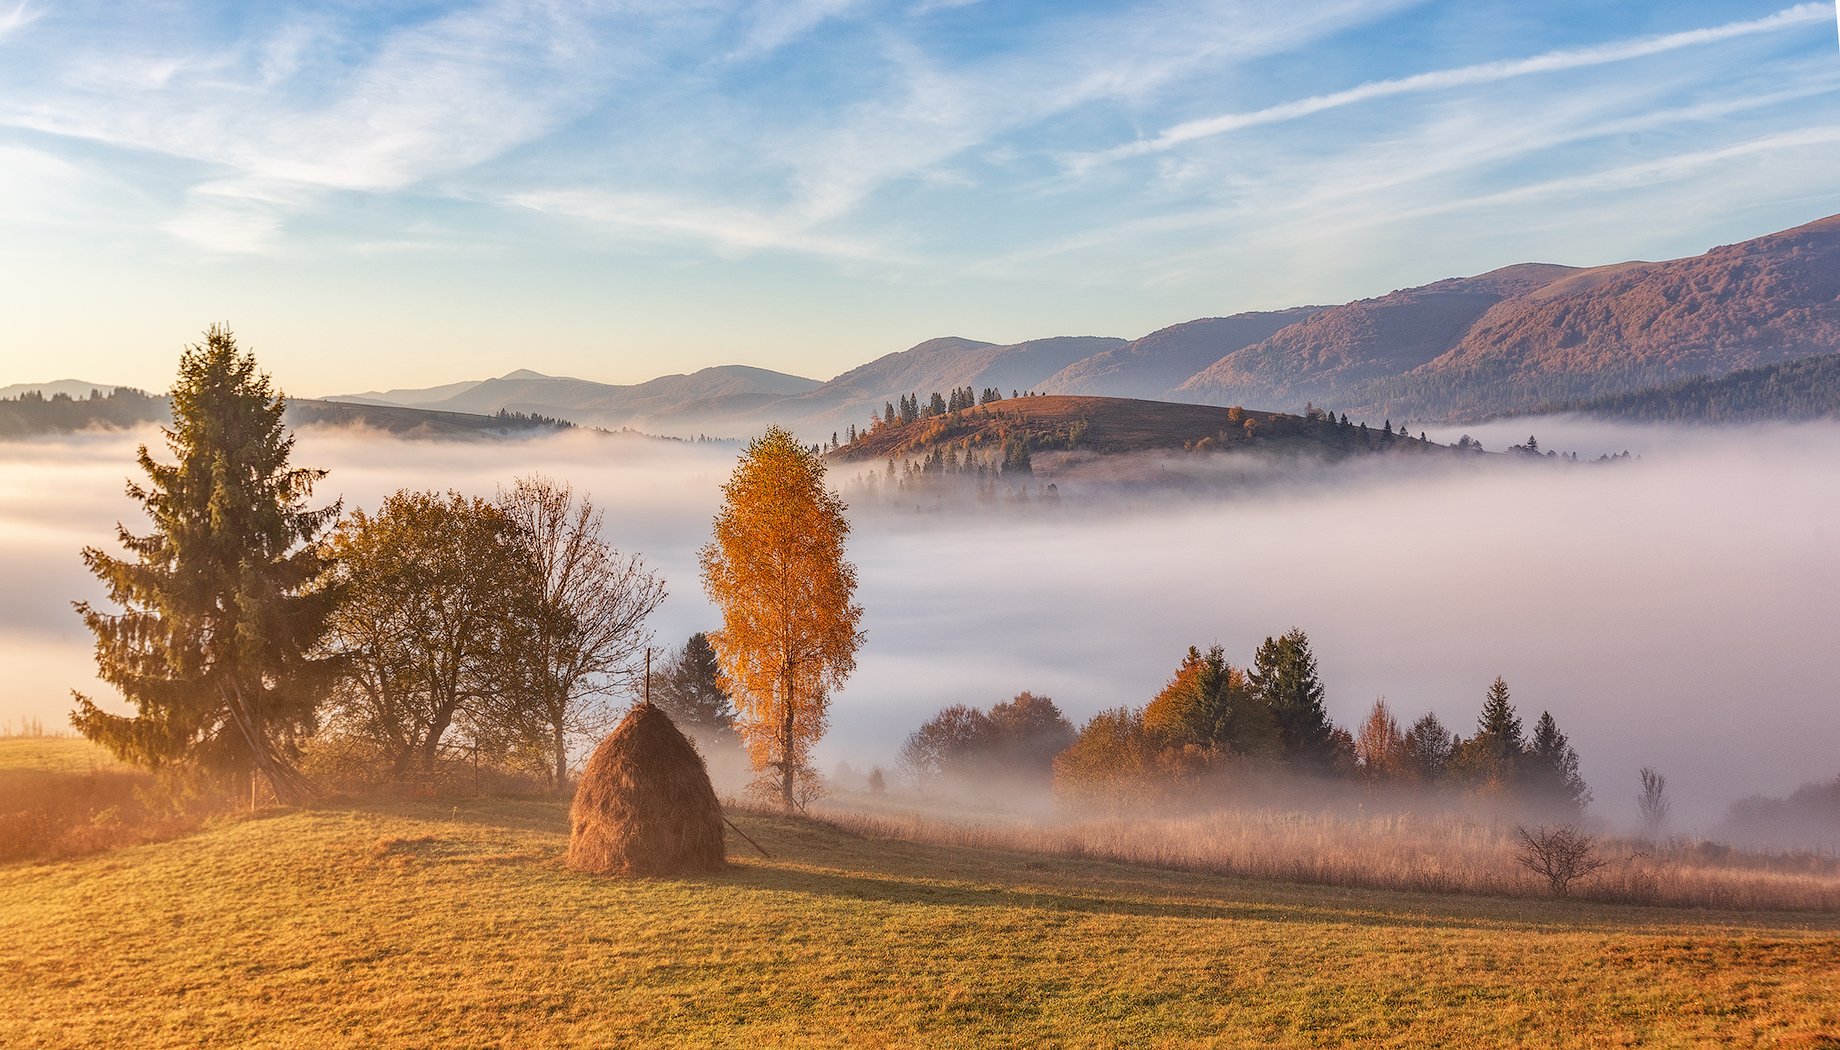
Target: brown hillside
1160 362
1766 300
1327 352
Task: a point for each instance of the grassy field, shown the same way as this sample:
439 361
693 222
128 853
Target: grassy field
63 796
455 924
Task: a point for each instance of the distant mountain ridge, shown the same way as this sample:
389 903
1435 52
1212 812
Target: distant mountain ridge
1510 340
75 388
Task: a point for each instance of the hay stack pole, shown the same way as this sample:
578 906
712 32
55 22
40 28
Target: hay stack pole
645 805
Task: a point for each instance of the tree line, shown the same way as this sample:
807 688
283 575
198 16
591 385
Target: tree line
1213 721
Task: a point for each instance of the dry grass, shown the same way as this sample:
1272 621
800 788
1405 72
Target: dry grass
441 924
457 923
66 797
1395 851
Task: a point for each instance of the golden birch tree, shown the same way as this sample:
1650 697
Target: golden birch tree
789 632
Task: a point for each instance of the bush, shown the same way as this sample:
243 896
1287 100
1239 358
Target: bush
1561 854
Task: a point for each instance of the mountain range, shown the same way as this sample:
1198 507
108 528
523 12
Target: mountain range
1515 339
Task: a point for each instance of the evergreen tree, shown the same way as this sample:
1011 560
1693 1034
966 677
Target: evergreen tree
1209 705
225 599
1493 756
689 689
1552 768
1284 674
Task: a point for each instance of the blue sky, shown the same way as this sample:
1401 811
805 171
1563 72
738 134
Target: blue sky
379 194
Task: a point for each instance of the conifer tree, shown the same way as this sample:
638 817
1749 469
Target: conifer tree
223 603
1553 767
1284 673
689 689
1493 756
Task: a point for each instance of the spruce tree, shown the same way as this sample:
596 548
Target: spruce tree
1494 754
1553 768
223 602
689 689
1284 673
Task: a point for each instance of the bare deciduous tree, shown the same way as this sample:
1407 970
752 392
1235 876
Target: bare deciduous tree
1561 854
1653 801
589 628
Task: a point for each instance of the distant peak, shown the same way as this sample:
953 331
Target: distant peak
525 373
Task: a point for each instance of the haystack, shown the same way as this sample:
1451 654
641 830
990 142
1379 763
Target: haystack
645 805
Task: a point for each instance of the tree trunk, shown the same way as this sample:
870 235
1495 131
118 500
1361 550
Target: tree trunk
562 761
290 786
786 769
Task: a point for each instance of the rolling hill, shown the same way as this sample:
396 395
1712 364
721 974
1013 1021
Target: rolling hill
711 396
995 435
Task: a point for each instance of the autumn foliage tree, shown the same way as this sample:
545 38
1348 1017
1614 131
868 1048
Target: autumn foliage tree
776 571
440 601
223 602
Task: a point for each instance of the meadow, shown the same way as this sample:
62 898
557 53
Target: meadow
1449 851
454 922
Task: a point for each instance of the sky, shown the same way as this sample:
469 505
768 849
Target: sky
386 194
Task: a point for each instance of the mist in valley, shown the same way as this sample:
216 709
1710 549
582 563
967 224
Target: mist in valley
1673 611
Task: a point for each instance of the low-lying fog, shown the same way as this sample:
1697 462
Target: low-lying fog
1676 611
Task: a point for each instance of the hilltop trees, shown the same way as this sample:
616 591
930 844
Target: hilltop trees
789 633
223 602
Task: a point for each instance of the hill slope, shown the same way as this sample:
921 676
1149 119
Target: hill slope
1441 351
1805 388
1154 366
1333 350
454 923
710 395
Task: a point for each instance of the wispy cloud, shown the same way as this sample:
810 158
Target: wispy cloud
728 230
428 100
775 23
1465 76
23 14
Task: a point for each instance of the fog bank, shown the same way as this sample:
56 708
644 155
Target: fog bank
1675 611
